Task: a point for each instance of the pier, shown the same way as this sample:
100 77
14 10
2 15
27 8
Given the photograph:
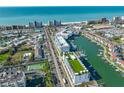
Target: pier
107 73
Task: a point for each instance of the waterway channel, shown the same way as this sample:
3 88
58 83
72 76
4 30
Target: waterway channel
108 75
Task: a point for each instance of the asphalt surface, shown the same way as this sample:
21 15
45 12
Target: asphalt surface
54 58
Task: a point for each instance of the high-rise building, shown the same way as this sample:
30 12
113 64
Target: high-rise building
37 24
8 27
54 23
57 23
31 25
15 27
104 20
117 20
50 23
41 24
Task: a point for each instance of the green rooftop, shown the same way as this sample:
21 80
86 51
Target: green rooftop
75 64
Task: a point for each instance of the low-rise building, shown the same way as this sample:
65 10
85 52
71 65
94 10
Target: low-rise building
26 56
11 77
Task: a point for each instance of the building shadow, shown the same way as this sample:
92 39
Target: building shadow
93 72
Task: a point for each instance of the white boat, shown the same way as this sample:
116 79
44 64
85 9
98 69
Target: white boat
117 70
100 50
98 55
86 59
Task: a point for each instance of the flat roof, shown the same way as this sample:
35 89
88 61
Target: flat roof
75 64
62 41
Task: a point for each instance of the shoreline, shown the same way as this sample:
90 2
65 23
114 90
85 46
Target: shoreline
64 23
104 55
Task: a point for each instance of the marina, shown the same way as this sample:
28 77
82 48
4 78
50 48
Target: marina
71 48
100 65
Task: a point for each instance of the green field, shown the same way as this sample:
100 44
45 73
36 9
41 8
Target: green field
36 66
3 57
76 66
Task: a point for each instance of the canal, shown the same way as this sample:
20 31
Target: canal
108 75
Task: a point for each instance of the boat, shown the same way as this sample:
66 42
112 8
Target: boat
86 59
100 50
117 70
98 44
74 47
103 58
98 55
106 61
82 53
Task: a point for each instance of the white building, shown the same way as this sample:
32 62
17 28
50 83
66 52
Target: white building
65 33
61 44
77 75
37 49
26 56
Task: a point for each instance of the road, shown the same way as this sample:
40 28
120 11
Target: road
61 64
54 57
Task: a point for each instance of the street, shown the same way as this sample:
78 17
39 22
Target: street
54 58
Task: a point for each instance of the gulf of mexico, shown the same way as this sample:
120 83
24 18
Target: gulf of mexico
22 15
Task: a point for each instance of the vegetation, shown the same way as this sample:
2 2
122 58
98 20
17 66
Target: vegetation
48 79
86 26
39 66
43 66
15 55
117 39
25 48
76 66
100 33
3 57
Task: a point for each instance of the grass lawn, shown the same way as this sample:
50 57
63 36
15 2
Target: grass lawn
76 66
1 48
17 57
3 57
117 40
36 66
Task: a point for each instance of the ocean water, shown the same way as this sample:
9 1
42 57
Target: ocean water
22 15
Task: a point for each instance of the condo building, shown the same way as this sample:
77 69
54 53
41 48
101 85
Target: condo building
61 44
66 34
37 24
76 70
54 23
